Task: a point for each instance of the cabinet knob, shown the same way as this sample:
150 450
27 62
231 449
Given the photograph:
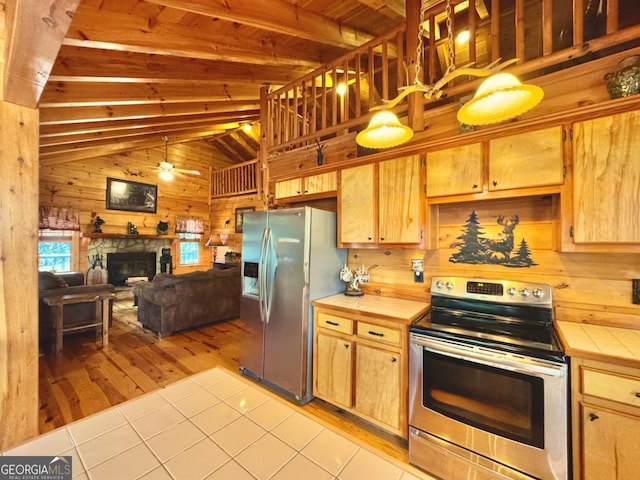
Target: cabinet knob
394 360
346 345
475 185
495 184
593 417
637 394
382 239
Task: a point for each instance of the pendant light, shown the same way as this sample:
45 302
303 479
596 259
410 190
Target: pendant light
499 98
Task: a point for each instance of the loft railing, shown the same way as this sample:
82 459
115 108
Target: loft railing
238 179
337 97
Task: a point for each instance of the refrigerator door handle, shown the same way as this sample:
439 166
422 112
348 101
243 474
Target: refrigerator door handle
269 277
262 275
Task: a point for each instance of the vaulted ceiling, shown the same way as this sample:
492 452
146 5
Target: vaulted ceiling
130 72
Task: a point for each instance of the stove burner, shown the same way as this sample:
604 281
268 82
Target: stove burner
512 316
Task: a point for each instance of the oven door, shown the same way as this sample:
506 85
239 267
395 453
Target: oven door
509 408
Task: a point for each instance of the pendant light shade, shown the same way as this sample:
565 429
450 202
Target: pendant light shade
384 131
499 98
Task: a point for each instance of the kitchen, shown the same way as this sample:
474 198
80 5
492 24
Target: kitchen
593 283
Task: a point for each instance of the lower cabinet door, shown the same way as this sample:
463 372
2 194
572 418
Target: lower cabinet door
609 444
334 367
378 384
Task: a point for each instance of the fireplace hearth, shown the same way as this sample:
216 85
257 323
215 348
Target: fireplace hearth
124 265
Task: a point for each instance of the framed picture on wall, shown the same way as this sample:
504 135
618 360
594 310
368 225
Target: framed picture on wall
131 196
239 213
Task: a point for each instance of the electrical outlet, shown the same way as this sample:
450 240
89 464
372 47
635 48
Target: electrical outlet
418 277
635 291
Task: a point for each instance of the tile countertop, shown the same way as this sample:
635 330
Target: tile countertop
610 344
382 307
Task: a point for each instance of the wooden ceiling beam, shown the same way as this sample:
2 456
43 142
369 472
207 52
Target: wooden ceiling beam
392 9
277 16
34 33
135 112
117 31
75 94
89 65
52 157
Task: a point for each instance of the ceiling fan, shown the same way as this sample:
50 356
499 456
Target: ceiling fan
167 169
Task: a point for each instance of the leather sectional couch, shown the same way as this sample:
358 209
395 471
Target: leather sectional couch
170 303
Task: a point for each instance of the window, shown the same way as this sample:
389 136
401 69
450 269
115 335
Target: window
189 249
54 250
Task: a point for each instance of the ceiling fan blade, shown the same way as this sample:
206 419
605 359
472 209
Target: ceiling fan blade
188 172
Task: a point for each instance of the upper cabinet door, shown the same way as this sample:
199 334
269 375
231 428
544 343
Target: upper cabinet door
454 171
400 199
606 179
323 182
531 159
289 188
357 207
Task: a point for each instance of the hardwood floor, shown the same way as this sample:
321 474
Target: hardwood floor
86 379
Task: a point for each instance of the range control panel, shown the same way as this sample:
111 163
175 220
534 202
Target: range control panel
501 291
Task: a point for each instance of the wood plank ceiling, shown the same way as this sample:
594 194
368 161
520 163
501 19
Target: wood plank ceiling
130 72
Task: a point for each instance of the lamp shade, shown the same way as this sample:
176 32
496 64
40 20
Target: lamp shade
499 98
384 131
214 240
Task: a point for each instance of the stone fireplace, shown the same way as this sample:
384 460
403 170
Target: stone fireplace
128 257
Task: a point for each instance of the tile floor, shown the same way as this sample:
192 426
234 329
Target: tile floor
214 425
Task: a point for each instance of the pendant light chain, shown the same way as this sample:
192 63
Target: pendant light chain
421 31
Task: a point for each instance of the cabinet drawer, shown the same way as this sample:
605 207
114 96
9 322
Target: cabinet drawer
334 322
618 388
378 333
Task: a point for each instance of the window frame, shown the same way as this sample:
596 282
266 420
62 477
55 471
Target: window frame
65 236
190 238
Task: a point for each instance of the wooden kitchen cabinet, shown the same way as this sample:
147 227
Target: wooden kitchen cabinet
360 363
606 430
455 171
334 357
524 160
605 171
381 203
309 185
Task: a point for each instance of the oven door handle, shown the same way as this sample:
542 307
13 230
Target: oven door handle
500 360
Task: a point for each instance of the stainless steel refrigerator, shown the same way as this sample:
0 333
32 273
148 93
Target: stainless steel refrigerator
289 258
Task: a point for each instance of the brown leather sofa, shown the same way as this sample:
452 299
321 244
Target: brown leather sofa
75 315
170 303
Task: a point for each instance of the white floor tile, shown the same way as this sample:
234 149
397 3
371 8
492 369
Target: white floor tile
238 435
300 467
211 377
181 389
174 440
197 461
96 425
231 471
297 430
214 418
365 464
265 457
196 403
77 468
227 387
142 406
51 443
270 414
330 451
129 465
108 445
157 421
246 400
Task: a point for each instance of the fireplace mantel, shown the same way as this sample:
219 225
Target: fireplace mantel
132 237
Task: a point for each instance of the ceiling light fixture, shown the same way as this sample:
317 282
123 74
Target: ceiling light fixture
496 100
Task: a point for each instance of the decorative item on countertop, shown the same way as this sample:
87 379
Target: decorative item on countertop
232 257
97 223
625 81
354 279
162 227
132 229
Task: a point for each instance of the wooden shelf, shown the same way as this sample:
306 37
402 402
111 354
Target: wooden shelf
119 235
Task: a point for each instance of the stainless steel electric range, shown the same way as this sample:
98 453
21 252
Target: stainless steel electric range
488 382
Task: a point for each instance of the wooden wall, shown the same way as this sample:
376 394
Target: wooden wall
82 184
